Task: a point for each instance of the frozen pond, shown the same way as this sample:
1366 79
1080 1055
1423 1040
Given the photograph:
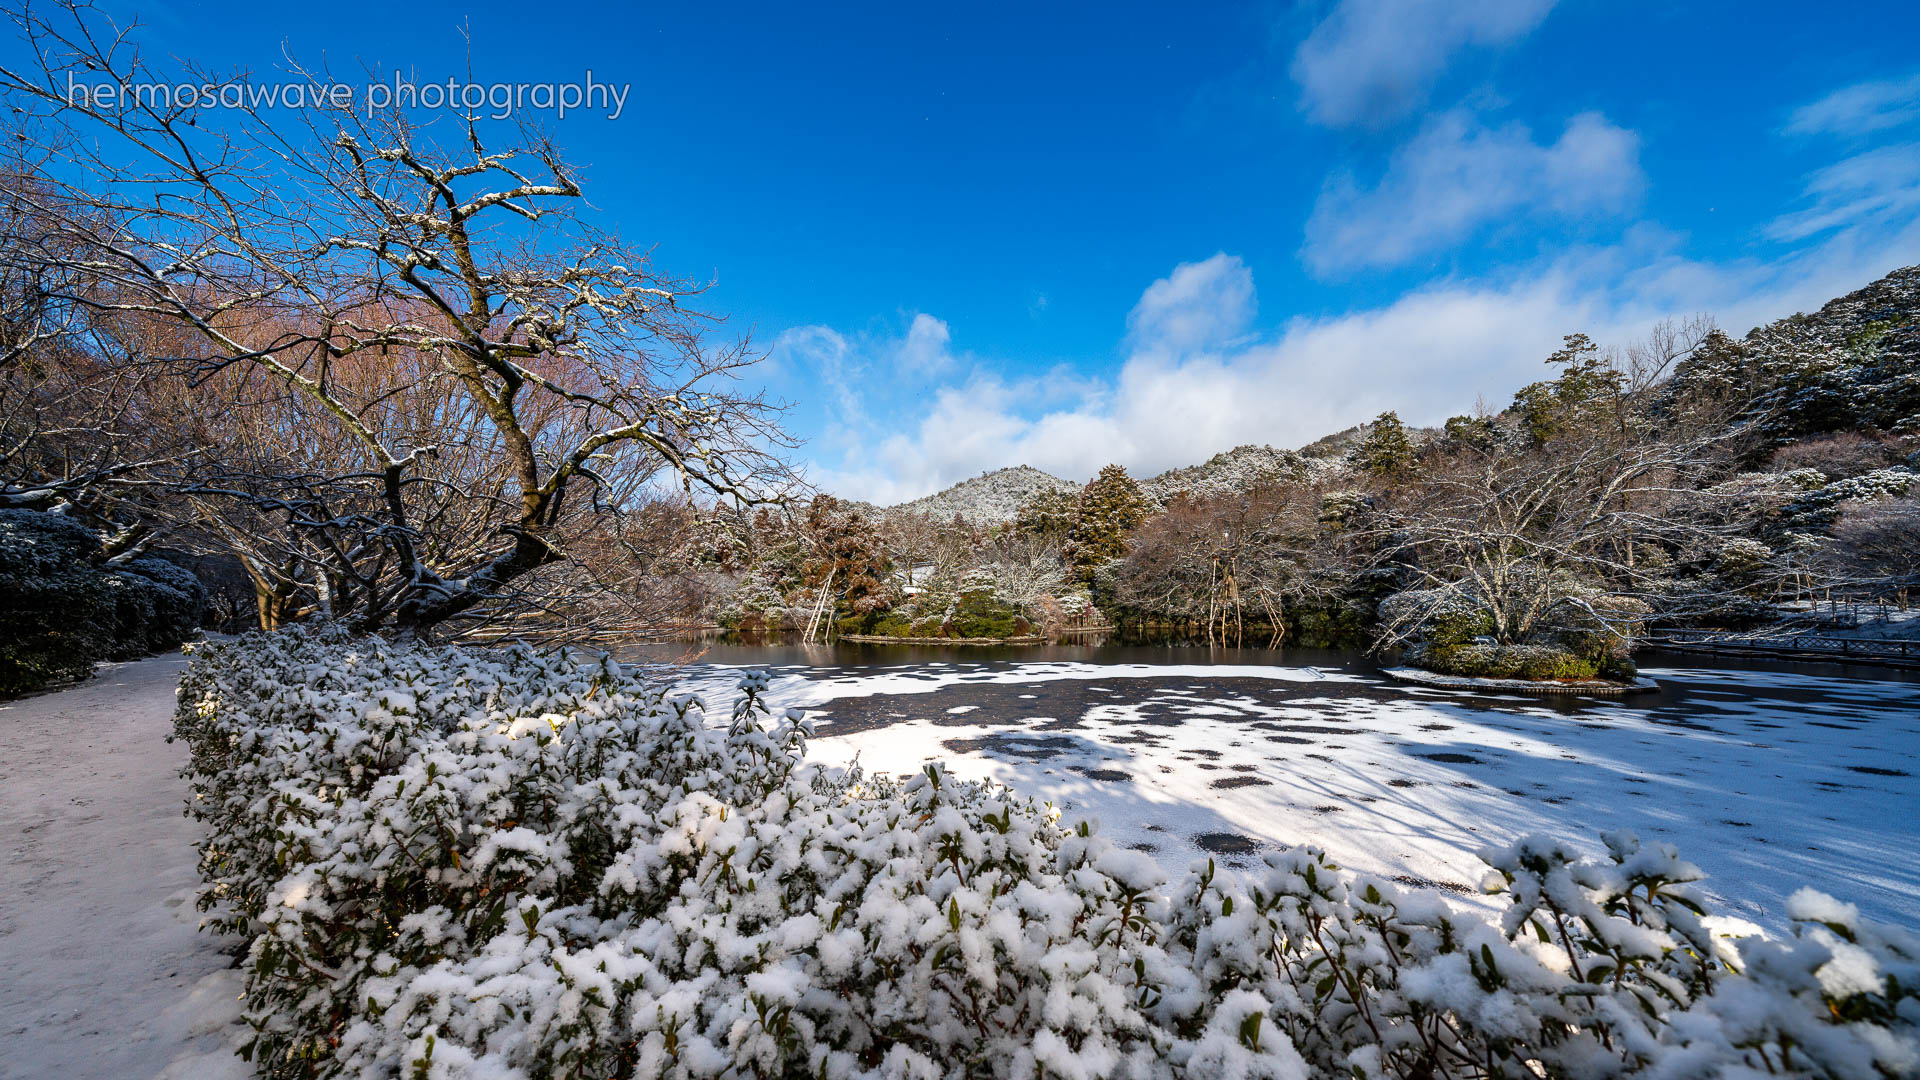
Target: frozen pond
1769 777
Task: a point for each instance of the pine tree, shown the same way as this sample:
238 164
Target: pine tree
1386 450
1111 508
1587 389
1047 514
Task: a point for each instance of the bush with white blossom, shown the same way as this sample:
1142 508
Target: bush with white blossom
508 864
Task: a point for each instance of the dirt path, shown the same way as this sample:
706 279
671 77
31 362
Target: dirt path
102 972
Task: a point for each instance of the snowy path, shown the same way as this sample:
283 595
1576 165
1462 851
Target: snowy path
102 972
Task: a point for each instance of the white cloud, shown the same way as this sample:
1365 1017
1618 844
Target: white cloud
1429 355
1373 61
1458 175
1861 109
925 348
1198 306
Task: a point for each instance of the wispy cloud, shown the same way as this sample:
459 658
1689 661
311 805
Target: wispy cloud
1458 175
1876 188
1371 62
1861 109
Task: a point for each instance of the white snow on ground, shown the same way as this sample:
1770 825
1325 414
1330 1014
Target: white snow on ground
102 972
1768 780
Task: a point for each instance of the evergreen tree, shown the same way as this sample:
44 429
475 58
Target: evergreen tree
1386 450
1111 508
1047 514
1469 430
847 553
1588 388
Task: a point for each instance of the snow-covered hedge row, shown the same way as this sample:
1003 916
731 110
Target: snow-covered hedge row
506 864
65 606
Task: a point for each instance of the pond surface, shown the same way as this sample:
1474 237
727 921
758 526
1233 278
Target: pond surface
1769 775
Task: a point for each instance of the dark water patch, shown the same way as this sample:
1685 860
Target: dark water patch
1010 745
1428 883
1450 758
1240 782
1227 843
1110 776
1875 770
1402 782
1293 739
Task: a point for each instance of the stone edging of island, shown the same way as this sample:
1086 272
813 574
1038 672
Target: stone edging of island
1604 687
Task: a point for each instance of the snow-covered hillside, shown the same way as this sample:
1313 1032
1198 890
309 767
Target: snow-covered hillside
1237 470
990 497
994 497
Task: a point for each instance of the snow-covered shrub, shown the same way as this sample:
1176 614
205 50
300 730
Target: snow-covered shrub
1485 660
981 610
757 604
1077 606
1443 618
1817 509
59 615
457 863
66 608
1340 507
159 605
1597 627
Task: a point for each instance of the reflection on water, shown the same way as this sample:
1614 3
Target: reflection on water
1110 647
1689 683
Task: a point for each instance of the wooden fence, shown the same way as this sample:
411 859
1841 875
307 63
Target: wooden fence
1810 645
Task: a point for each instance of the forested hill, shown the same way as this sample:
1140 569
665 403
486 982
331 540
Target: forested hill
1854 364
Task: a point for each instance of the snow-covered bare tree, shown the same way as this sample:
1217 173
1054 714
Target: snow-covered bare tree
453 367
1591 491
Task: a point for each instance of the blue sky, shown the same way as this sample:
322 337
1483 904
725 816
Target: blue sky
1060 235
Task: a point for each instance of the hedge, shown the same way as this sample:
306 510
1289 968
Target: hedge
62 611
